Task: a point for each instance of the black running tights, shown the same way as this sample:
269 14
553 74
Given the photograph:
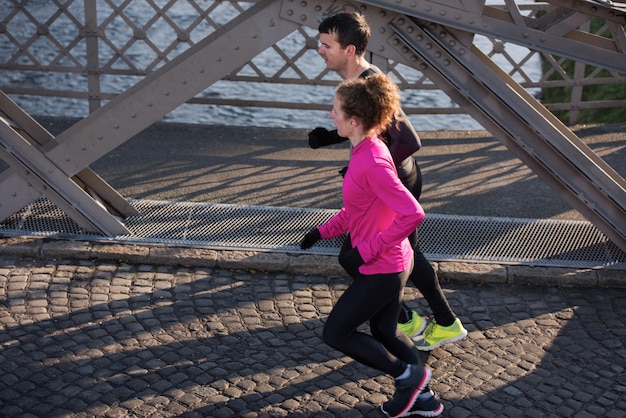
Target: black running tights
377 299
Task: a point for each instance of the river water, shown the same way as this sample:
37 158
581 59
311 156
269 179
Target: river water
213 114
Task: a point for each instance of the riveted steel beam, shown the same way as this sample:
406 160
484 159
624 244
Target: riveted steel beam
557 36
172 85
148 101
493 98
518 120
41 174
38 137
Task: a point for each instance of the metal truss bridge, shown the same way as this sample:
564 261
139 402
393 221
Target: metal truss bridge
432 36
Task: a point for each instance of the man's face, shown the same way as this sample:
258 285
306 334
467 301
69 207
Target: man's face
331 51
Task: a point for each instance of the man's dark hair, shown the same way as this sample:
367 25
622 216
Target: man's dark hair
351 29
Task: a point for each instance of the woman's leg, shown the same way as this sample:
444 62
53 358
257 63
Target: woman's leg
368 297
405 312
384 328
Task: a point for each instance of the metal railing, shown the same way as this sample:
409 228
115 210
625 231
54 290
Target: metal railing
90 51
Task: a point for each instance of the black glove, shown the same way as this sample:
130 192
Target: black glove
321 137
351 260
343 171
310 238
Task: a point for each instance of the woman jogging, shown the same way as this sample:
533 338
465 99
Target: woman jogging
379 213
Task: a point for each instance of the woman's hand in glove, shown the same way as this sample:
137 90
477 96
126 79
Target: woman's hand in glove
351 260
310 238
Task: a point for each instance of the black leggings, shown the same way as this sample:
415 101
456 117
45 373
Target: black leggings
423 276
373 298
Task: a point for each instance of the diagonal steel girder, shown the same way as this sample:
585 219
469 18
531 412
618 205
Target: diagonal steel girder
208 61
40 174
518 120
448 58
556 32
37 136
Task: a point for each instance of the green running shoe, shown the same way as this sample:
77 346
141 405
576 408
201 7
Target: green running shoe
415 325
436 335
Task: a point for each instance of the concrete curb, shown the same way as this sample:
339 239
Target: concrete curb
299 264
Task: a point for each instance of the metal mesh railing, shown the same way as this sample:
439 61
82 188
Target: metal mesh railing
559 243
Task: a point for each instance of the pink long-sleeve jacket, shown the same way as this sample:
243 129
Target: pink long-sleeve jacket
378 211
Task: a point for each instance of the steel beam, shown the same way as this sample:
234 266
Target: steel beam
528 129
208 61
555 36
39 137
498 102
434 36
41 174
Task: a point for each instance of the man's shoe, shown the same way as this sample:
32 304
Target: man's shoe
414 327
436 335
407 391
429 407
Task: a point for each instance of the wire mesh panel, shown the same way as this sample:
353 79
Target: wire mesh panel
442 237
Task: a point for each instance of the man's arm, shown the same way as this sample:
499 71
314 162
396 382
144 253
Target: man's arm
322 137
402 139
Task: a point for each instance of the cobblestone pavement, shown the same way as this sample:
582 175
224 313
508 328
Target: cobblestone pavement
108 339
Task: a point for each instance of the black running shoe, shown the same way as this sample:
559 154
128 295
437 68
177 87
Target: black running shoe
429 407
407 391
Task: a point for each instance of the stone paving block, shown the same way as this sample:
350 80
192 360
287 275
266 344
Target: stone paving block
119 252
550 276
60 248
319 265
23 246
182 256
453 271
611 278
112 338
251 260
